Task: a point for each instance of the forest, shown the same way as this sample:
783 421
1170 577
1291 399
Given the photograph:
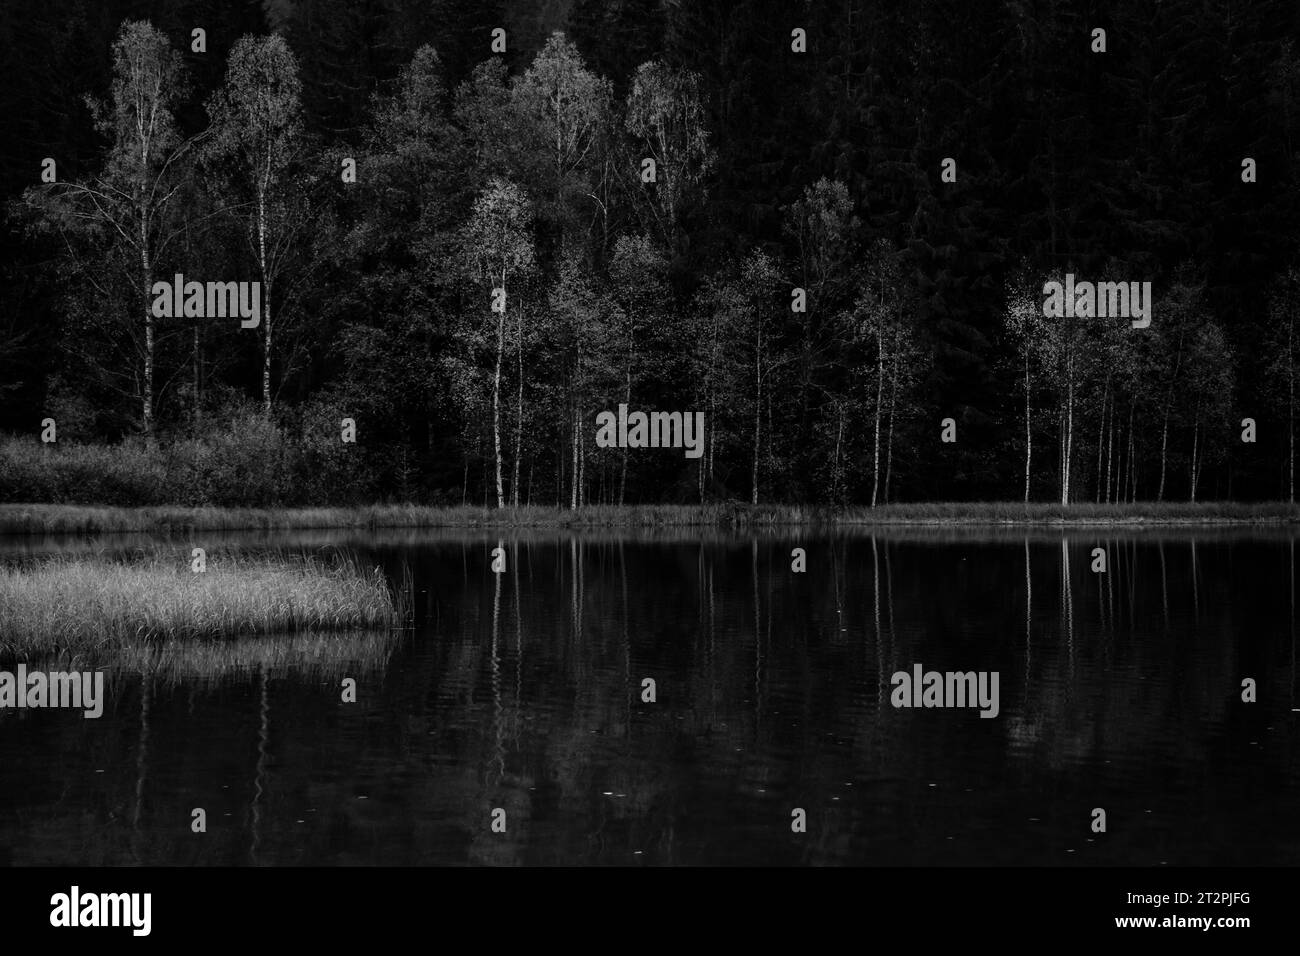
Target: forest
475 227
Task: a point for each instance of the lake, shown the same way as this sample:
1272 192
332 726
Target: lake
525 692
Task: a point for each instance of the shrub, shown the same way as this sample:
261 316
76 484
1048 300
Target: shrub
128 474
246 461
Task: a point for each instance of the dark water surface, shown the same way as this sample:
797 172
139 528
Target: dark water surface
523 691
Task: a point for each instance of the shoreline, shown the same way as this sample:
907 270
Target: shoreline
41 519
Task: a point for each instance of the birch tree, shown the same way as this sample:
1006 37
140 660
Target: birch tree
746 309
497 246
1105 342
908 357
257 137
1059 358
875 319
1208 397
126 209
1024 326
585 327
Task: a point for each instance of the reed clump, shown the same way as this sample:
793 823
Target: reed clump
92 607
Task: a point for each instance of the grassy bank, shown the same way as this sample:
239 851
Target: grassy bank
93 609
79 519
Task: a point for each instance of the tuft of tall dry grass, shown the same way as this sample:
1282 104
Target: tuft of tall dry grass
92 607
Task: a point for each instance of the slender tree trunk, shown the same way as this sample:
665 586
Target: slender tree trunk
1101 434
496 409
1132 460
1110 452
712 450
1196 441
1164 435
889 457
703 459
573 495
1123 464
880 392
1117 494
1068 452
1069 440
771 429
198 380
146 269
893 404
1029 438
713 440
519 405
1069 444
836 490
758 413
1164 449
1060 444
266 303
559 469
1290 378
